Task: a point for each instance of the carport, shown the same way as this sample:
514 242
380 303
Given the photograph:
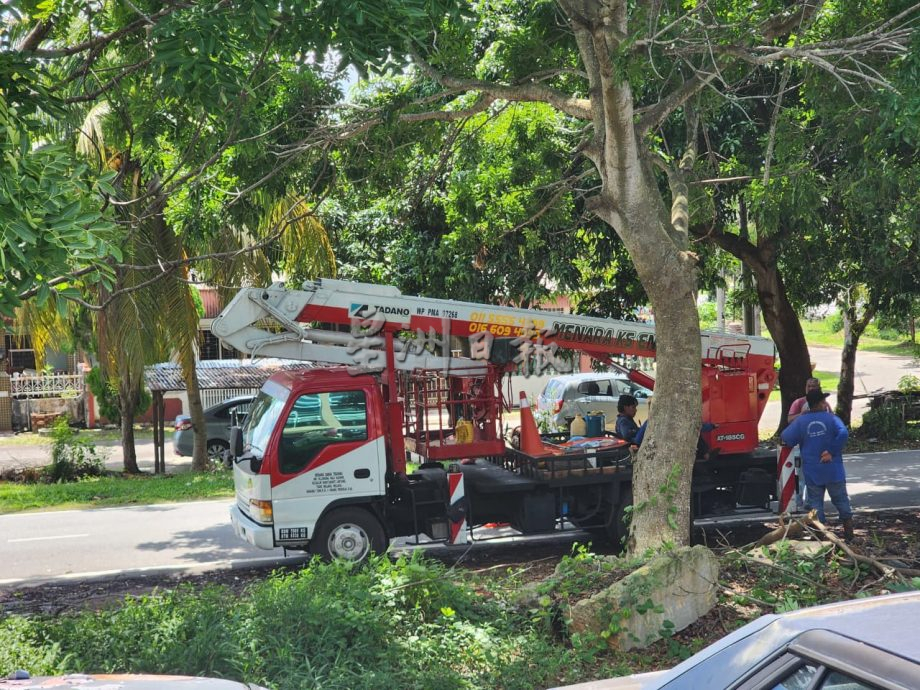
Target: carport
217 374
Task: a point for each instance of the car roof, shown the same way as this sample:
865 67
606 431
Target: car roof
887 622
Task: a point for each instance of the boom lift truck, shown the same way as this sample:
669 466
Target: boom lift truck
321 461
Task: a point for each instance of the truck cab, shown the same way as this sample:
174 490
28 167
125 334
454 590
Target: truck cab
313 443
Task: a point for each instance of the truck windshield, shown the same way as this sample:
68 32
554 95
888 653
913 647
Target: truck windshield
261 421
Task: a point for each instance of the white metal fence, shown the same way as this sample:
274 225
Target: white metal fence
215 396
47 386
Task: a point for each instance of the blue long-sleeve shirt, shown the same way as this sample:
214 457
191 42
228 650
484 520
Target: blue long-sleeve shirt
814 433
626 427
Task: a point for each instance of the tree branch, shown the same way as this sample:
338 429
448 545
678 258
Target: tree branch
524 91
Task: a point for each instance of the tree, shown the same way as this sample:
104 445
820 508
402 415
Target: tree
632 79
175 164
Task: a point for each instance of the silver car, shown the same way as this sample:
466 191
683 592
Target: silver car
565 396
863 644
218 418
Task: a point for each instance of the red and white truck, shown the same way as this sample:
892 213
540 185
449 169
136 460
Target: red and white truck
321 461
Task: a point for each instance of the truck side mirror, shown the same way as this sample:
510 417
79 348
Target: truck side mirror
236 441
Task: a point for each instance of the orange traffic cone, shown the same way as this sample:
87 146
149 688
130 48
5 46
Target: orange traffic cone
531 443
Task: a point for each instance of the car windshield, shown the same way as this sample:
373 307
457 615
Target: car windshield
263 416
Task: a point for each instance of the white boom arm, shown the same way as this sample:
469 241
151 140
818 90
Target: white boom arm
384 308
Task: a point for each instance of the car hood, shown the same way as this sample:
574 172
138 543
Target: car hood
81 681
636 681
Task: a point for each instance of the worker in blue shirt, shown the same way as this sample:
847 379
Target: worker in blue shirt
626 428
821 437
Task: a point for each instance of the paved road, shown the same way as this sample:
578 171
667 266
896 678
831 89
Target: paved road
874 371
83 543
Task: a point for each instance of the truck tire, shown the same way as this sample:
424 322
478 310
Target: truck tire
615 528
350 534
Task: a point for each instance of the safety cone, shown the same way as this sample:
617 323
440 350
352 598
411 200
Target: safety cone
531 443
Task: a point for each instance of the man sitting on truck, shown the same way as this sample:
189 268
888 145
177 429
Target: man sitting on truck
626 428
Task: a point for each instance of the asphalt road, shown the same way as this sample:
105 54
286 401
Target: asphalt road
80 544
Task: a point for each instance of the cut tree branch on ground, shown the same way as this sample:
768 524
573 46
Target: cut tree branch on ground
810 524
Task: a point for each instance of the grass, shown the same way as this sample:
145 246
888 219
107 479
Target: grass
412 623
95 492
820 333
29 438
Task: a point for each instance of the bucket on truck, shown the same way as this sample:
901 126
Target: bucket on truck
594 424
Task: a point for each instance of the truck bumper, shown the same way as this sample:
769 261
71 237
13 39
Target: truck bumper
260 536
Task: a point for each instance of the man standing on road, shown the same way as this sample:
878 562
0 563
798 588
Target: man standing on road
800 405
821 437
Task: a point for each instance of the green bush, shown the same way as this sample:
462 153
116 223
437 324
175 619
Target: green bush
72 458
708 314
402 623
909 384
834 322
105 391
884 422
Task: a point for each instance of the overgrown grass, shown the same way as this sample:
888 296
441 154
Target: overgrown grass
114 491
409 623
821 333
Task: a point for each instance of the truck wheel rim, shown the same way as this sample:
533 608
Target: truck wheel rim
349 542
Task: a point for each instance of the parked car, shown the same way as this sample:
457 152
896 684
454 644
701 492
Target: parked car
21 680
863 644
565 396
218 418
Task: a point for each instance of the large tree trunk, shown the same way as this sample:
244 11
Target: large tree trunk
778 313
630 202
664 466
853 328
786 331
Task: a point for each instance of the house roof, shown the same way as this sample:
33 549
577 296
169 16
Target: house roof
218 373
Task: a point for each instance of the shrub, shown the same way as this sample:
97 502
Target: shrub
834 322
106 393
909 384
884 422
71 457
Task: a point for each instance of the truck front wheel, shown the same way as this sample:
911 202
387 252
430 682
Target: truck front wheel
350 534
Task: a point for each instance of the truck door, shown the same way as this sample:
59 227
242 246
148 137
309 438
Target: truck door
328 450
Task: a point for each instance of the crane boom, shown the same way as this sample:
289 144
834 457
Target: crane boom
343 302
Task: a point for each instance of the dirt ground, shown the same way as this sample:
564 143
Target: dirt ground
893 537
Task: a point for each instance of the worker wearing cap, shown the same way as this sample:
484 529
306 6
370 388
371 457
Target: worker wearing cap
821 436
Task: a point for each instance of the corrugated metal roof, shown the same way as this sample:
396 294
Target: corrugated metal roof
210 300
218 373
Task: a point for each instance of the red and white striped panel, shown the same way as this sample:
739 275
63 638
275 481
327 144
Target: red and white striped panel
456 513
785 472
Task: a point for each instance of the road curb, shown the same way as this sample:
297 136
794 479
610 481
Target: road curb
154 571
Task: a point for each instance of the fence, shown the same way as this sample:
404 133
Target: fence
215 396
47 386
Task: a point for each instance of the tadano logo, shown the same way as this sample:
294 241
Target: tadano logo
369 310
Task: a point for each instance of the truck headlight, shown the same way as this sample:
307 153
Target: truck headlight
261 511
